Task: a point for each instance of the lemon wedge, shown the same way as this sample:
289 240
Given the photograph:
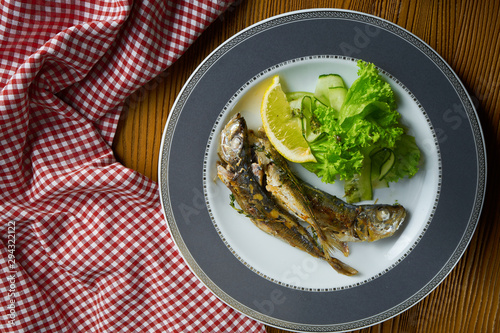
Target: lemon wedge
283 129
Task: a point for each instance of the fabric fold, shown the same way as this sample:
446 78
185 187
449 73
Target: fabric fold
84 246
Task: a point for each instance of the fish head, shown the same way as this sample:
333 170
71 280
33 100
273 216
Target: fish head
233 140
379 221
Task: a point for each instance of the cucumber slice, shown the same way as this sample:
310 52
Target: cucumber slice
337 97
365 180
387 166
298 95
375 167
323 85
290 96
379 184
306 107
318 103
359 188
382 162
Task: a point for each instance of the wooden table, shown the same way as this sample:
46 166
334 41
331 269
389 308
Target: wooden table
467 35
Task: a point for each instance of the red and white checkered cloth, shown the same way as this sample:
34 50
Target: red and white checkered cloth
84 244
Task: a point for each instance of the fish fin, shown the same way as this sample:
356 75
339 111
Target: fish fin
335 244
328 249
341 267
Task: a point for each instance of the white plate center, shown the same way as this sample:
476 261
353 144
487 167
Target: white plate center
277 261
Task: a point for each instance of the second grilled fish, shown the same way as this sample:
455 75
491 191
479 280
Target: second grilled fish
354 223
288 192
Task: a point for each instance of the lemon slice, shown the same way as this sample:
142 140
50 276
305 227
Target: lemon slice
283 129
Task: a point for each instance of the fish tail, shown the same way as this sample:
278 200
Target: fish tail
341 267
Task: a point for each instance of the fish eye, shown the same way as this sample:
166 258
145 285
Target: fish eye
383 214
236 143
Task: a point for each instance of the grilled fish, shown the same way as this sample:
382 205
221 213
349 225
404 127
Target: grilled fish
245 179
288 193
354 223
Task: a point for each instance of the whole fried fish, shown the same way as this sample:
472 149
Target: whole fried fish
245 179
287 191
354 223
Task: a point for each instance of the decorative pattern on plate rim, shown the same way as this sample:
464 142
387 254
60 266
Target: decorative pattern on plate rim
228 108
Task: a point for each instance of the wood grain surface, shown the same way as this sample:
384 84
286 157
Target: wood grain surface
467 35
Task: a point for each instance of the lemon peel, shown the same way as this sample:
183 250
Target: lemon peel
282 127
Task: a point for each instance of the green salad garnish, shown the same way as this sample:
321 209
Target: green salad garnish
355 133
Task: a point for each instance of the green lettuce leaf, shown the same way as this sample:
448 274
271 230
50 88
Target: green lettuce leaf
407 159
368 120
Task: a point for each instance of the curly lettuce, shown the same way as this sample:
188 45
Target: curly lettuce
363 142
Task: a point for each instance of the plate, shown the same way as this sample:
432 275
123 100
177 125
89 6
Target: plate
267 279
